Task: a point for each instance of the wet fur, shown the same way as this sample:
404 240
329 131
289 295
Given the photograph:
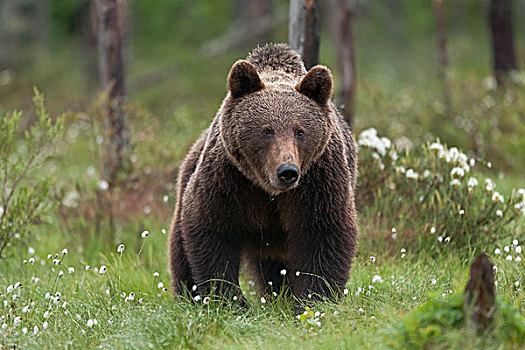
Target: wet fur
228 210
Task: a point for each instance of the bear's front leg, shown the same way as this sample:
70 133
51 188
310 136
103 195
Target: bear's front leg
322 241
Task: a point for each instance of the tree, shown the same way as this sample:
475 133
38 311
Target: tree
110 36
504 55
304 30
439 13
343 13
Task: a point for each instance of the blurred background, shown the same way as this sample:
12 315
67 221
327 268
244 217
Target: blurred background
144 78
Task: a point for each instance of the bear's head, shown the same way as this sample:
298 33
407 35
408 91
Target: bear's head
274 132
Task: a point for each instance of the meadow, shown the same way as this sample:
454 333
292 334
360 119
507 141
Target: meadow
84 265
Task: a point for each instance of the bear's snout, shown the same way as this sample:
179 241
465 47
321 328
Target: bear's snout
288 174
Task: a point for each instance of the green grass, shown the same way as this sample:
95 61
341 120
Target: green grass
365 318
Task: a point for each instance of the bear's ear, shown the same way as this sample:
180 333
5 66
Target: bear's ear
243 79
317 85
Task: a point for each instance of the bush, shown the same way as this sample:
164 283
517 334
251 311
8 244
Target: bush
25 187
435 185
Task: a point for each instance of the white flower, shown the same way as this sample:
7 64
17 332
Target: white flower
90 323
31 250
197 298
64 251
521 194
163 231
447 239
497 197
345 291
489 185
206 300
156 274
297 273
160 285
433 230
36 330
283 272
165 198
517 259
373 259
263 300
489 165
44 325
10 288
88 267
411 174
102 269
509 258
506 249
103 185
145 234
433 281
377 279
455 183
437 147
31 261
515 242
497 251
194 288
517 283
440 239
518 250
70 269
457 172
368 138
60 273
499 213
120 248
461 212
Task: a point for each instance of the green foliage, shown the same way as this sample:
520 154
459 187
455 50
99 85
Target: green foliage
430 325
25 187
435 187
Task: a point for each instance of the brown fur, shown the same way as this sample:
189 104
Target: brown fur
231 204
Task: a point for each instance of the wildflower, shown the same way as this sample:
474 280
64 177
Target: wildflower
88 267
394 233
437 147
411 174
49 256
24 330
60 273
440 239
130 297
377 279
297 273
515 242
489 185
457 172
373 259
506 249
461 212
197 298
120 248
509 258
403 250
517 283
499 213
156 274
447 239
64 251
10 288
345 291
44 325
433 281
432 230
160 285
489 165
90 323
497 251
103 185
145 234
497 197
206 300
32 261
165 198
71 270
103 269
455 183
163 231
31 250
517 259
194 288
518 250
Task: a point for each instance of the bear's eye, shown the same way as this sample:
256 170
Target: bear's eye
267 132
299 133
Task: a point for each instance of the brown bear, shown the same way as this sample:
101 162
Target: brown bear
271 183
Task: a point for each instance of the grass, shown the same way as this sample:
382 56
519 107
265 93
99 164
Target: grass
365 318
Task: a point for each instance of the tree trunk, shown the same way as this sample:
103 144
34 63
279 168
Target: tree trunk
343 14
110 36
504 55
304 30
442 54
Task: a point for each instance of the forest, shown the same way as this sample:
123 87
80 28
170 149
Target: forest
100 101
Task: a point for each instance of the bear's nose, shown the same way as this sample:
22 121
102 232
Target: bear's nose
287 174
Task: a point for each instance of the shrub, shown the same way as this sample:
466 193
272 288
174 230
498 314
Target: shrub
25 185
435 185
